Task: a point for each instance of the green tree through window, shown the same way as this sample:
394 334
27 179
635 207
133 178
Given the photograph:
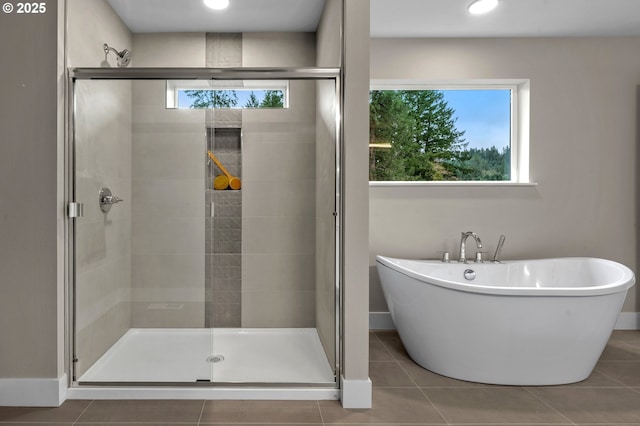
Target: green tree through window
413 137
213 98
231 98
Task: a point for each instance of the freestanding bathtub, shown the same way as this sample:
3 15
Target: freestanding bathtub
530 322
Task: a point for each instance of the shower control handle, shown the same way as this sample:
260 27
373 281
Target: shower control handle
111 199
107 199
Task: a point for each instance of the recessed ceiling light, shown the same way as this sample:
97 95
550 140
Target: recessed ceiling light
217 4
479 7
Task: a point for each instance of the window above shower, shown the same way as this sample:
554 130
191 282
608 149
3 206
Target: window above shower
202 94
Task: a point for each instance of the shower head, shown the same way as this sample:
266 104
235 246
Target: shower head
123 58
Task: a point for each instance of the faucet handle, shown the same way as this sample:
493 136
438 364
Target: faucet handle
478 258
445 256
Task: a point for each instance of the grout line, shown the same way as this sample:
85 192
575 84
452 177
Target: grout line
425 395
526 389
320 411
201 411
374 334
395 358
407 373
524 424
622 384
83 411
435 407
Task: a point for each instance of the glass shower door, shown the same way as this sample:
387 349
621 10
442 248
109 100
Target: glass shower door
140 246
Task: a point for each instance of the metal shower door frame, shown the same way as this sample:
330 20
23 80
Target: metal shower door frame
309 73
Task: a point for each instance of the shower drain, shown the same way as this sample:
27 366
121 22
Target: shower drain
215 358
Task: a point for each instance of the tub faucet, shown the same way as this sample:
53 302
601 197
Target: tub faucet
463 240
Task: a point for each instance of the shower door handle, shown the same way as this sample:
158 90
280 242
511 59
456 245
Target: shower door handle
106 199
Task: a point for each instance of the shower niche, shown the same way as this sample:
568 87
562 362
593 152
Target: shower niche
223 263
188 281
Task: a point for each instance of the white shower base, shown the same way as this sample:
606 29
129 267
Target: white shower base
251 355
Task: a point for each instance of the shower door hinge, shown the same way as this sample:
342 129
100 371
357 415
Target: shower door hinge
75 209
74 361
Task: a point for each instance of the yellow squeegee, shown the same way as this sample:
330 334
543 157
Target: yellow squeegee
222 181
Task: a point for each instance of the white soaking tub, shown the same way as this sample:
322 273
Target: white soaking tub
529 322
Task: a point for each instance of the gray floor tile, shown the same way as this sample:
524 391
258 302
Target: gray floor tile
508 405
593 405
598 379
266 423
389 375
261 411
36 424
390 405
627 372
67 412
378 351
393 344
620 350
147 411
608 424
427 379
136 424
630 336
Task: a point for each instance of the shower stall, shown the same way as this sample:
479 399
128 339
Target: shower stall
204 230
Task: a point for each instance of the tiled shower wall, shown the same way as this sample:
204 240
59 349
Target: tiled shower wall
223 274
103 247
279 181
168 243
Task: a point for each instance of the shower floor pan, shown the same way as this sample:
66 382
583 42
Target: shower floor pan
226 355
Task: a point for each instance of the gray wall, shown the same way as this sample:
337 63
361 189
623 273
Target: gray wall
31 207
355 121
583 140
103 159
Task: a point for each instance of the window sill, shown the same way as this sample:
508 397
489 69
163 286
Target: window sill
451 183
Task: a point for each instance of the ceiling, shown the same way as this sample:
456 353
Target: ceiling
393 18
512 18
145 16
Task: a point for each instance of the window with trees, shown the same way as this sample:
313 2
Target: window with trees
443 133
226 94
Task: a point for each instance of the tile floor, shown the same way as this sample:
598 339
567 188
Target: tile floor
403 394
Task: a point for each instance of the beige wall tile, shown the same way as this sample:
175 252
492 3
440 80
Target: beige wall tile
169 50
278 309
168 271
278 272
293 235
278 197
278 49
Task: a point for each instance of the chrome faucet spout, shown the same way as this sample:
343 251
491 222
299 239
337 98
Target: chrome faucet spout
463 241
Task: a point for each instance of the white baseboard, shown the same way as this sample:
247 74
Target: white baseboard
383 321
33 392
628 321
356 393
